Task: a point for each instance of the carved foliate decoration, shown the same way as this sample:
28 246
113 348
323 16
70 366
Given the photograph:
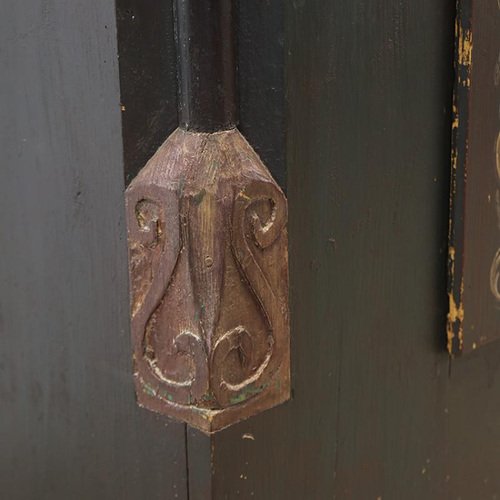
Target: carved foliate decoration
209 281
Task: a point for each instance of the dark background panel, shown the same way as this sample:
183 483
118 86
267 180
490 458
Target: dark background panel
472 451
69 424
261 56
391 260
148 78
378 412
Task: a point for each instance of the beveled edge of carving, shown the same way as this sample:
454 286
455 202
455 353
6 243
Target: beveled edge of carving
211 421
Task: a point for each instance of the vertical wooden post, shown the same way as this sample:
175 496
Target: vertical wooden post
206 61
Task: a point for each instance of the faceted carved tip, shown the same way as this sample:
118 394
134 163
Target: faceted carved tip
209 281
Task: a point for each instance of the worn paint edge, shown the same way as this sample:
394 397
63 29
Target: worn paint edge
459 148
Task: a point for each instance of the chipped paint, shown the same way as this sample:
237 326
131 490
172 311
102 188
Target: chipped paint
456 117
456 315
456 312
464 46
246 393
464 54
459 151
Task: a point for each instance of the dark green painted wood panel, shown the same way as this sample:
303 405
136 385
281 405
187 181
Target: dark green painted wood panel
378 412
69 425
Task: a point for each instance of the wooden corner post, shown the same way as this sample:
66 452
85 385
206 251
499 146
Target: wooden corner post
207 236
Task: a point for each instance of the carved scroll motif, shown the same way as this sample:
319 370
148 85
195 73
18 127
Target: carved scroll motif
250 236
155 250
208 268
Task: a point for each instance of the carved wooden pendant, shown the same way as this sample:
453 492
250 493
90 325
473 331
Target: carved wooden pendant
209 281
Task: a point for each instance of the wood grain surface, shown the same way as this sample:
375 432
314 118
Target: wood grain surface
208 253
378 409
69 424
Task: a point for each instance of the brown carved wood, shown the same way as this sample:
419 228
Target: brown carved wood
209 281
